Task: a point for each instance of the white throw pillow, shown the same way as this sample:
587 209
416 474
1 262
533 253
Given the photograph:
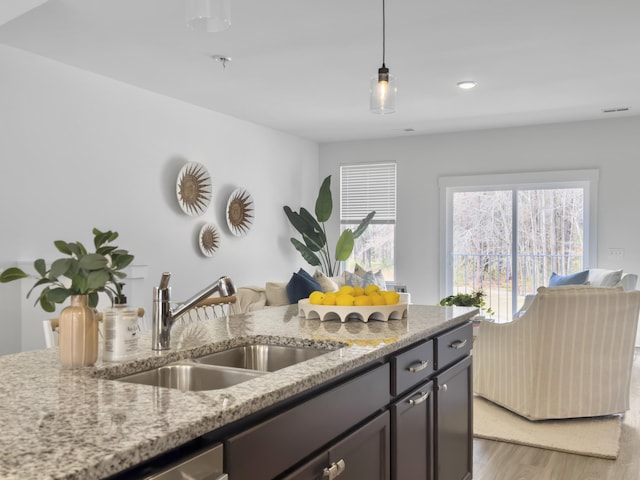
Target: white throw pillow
601 277
327 284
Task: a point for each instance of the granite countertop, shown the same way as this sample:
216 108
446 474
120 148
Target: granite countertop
80 424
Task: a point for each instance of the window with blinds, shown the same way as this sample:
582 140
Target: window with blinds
366 187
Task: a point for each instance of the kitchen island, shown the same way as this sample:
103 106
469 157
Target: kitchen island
82 424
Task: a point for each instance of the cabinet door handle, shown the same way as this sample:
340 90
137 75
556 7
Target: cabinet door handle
335 470
458 344
418 366
443 387
422 396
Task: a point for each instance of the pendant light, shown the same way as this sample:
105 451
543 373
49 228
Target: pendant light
383 85
209 15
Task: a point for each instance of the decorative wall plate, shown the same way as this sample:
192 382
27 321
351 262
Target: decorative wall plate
209 239
193 189
240 212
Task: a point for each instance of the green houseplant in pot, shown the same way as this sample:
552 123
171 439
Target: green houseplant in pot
79 276
473 299
315 248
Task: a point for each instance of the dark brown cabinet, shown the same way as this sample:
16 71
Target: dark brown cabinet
364 454
454 422
412 432
431 423
274 446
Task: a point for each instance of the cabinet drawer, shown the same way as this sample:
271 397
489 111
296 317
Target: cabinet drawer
282 441
453 345
411 367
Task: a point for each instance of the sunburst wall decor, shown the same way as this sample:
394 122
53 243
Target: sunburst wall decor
240 212
193 189
209 239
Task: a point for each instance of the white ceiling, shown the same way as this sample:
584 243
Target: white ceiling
304 66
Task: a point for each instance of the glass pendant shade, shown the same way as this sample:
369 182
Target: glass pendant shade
209 15
383 92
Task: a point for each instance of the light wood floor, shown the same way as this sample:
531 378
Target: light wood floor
504 461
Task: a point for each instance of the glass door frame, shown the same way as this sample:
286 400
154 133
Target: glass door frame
448 185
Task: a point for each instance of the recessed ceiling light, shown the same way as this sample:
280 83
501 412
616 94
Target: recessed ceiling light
467 84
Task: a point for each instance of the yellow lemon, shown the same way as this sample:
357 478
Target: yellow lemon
329 299
377 299
345 300
357 291
346 290
391 297
371 288
316 298
363 301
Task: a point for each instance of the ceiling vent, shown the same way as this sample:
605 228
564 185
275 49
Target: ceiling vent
616 110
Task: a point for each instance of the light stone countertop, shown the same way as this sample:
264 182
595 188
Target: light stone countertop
78 424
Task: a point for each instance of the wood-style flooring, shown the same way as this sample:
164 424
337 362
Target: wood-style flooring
504 461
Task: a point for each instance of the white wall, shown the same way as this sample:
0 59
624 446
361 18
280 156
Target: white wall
78 151
609 145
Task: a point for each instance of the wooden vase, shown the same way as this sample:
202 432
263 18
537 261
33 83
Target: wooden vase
78 334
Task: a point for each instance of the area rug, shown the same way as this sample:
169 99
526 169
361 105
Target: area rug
594 437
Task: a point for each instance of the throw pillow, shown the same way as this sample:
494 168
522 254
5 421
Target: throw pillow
276 293
300 286
579 278
327 284
358 270
601 277
368 278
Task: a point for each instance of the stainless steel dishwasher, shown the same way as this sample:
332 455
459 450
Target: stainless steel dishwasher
196 460
206 464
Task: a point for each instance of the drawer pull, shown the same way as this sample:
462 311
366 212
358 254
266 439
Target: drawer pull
422 396
458 344
335 470
443 387
418 366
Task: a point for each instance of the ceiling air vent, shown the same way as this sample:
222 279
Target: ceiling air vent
615 110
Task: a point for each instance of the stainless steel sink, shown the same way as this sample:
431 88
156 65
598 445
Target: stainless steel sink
187 376
266 358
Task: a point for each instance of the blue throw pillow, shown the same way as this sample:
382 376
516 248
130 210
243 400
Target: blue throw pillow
300 286
579 278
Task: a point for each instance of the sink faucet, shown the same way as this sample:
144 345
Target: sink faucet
164 317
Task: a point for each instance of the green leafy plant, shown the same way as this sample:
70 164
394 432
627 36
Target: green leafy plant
473 299
88 273
315 249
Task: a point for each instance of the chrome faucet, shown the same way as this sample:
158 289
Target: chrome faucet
163 315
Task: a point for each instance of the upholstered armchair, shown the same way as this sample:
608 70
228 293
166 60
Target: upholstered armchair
569 355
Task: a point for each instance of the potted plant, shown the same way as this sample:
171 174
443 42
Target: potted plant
473 299
80 277
315 249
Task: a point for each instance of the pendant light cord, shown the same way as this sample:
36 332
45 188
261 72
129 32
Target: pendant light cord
384 39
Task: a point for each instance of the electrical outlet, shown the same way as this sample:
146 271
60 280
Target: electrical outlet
616 252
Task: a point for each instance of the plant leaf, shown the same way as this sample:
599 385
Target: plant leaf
324 203
59 268
40 267
62 247
93 299
97 280
344 246
11 274
306 253
47 305
121 261
58 295
364 223
93 261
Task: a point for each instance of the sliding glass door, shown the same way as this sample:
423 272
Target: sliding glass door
506 238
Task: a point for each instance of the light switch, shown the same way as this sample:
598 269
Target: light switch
616 252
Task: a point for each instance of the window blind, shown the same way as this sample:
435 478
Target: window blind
365 187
